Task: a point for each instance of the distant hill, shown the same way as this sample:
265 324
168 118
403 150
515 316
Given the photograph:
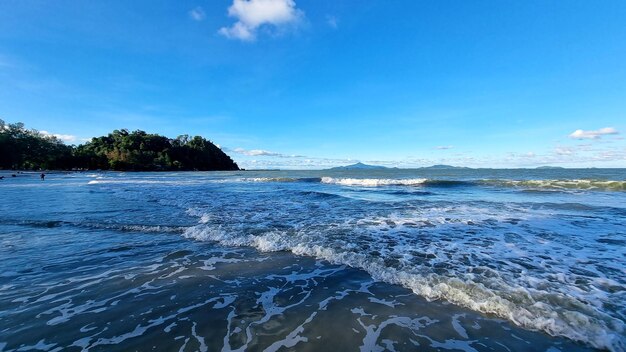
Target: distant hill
444 167
121 150
359 166
549 168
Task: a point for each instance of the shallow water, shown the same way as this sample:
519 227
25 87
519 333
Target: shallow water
504 260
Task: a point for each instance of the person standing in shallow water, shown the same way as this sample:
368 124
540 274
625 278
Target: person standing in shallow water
43 176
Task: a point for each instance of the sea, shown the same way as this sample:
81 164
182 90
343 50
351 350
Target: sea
343 260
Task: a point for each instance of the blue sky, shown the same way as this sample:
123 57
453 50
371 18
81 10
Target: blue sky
316 83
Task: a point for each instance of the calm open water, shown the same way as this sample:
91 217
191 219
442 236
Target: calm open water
469 260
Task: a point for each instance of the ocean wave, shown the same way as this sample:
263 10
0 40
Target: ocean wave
546 185
542 266
581 184
553 313
280 179
373 182
269 179
132 181
94 225
33 223
156 181
136 228
539 185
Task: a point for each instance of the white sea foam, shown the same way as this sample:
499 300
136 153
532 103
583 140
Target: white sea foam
156 181
561 184
373 182
536 309
135 228
581 184
555 184
269 179
143 182
516 258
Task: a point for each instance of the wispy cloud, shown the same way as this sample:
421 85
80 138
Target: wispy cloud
5 63
197 14
253 14
10 62
255 152
566 157
581 134
444 147
563 151
523 155
292 163
261 152
63 137
332 21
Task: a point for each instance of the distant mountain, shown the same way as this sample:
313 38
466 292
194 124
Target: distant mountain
444 167
359 166
549 168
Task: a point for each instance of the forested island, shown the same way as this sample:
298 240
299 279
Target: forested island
121 150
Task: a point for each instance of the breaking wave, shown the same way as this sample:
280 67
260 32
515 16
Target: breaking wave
603 185
582 184
551 266
281 179
534 309
373 182
546 184
96 225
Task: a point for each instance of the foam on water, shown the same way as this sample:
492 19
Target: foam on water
95 225
545 261
604 185
531 184
556 184
269 179
458 253
533 308
373 182
601 185
144 182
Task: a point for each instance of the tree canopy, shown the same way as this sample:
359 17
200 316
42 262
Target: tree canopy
21 148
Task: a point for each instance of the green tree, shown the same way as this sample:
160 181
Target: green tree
119 150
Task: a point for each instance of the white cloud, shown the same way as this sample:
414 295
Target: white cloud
292 163
604 158
238 31
197 14
261 152
580 134
252 14
444 147
563 151
255 152
63 137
